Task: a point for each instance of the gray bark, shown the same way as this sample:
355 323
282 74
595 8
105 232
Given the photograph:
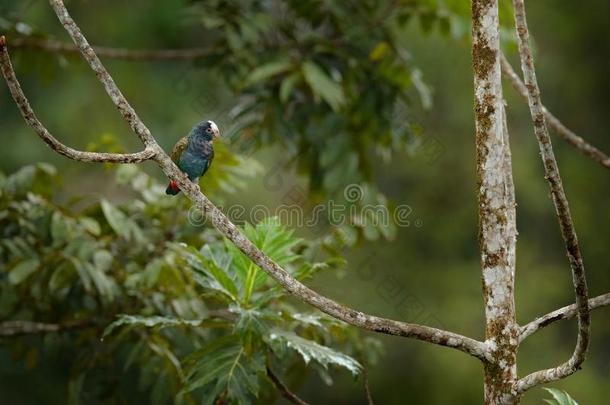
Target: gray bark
497 224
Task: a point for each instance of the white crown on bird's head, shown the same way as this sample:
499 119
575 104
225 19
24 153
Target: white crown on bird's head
208 127
214 128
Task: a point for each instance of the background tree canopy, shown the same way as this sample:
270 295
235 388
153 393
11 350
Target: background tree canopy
310 97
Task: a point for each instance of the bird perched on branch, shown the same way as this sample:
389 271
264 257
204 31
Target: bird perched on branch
194 153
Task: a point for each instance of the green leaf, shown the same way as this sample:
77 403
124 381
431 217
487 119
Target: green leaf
120 223
60 228
148 321
224 365
90 275
310 350
22 271
267 70
323 86
274 240
39 179
212 272
63 276
102 259
90 225
379 51
560 397
288 85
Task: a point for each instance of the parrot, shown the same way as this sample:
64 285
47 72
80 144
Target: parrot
194 153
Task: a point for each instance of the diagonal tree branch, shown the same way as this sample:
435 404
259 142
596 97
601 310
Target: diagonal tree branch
230 231
563 213
563 131
30 117
54 46
566 312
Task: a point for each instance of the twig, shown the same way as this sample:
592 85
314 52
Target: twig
283 390
230 231
30 117
563 131
367 388
563 214
54 46
19 328
566 312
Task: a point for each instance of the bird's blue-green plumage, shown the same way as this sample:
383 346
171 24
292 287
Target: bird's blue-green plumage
194 153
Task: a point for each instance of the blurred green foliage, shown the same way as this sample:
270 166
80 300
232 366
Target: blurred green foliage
198 321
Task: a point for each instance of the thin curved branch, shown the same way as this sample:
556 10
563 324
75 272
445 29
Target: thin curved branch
563 214
283 390
563 131
30 117
54 46
230 231
567 312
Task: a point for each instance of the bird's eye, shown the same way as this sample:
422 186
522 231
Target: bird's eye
208 130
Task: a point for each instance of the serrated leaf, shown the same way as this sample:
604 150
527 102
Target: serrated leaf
310 350
210 272
148 321
274 240
308 319
224 366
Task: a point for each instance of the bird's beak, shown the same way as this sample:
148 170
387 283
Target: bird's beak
216 133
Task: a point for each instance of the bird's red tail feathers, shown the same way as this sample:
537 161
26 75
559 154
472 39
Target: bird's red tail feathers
172 188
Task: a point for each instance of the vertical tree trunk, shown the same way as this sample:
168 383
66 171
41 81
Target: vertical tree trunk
497 229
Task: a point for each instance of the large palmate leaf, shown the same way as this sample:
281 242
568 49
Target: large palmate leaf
310 350
224 369
211 270
274 240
